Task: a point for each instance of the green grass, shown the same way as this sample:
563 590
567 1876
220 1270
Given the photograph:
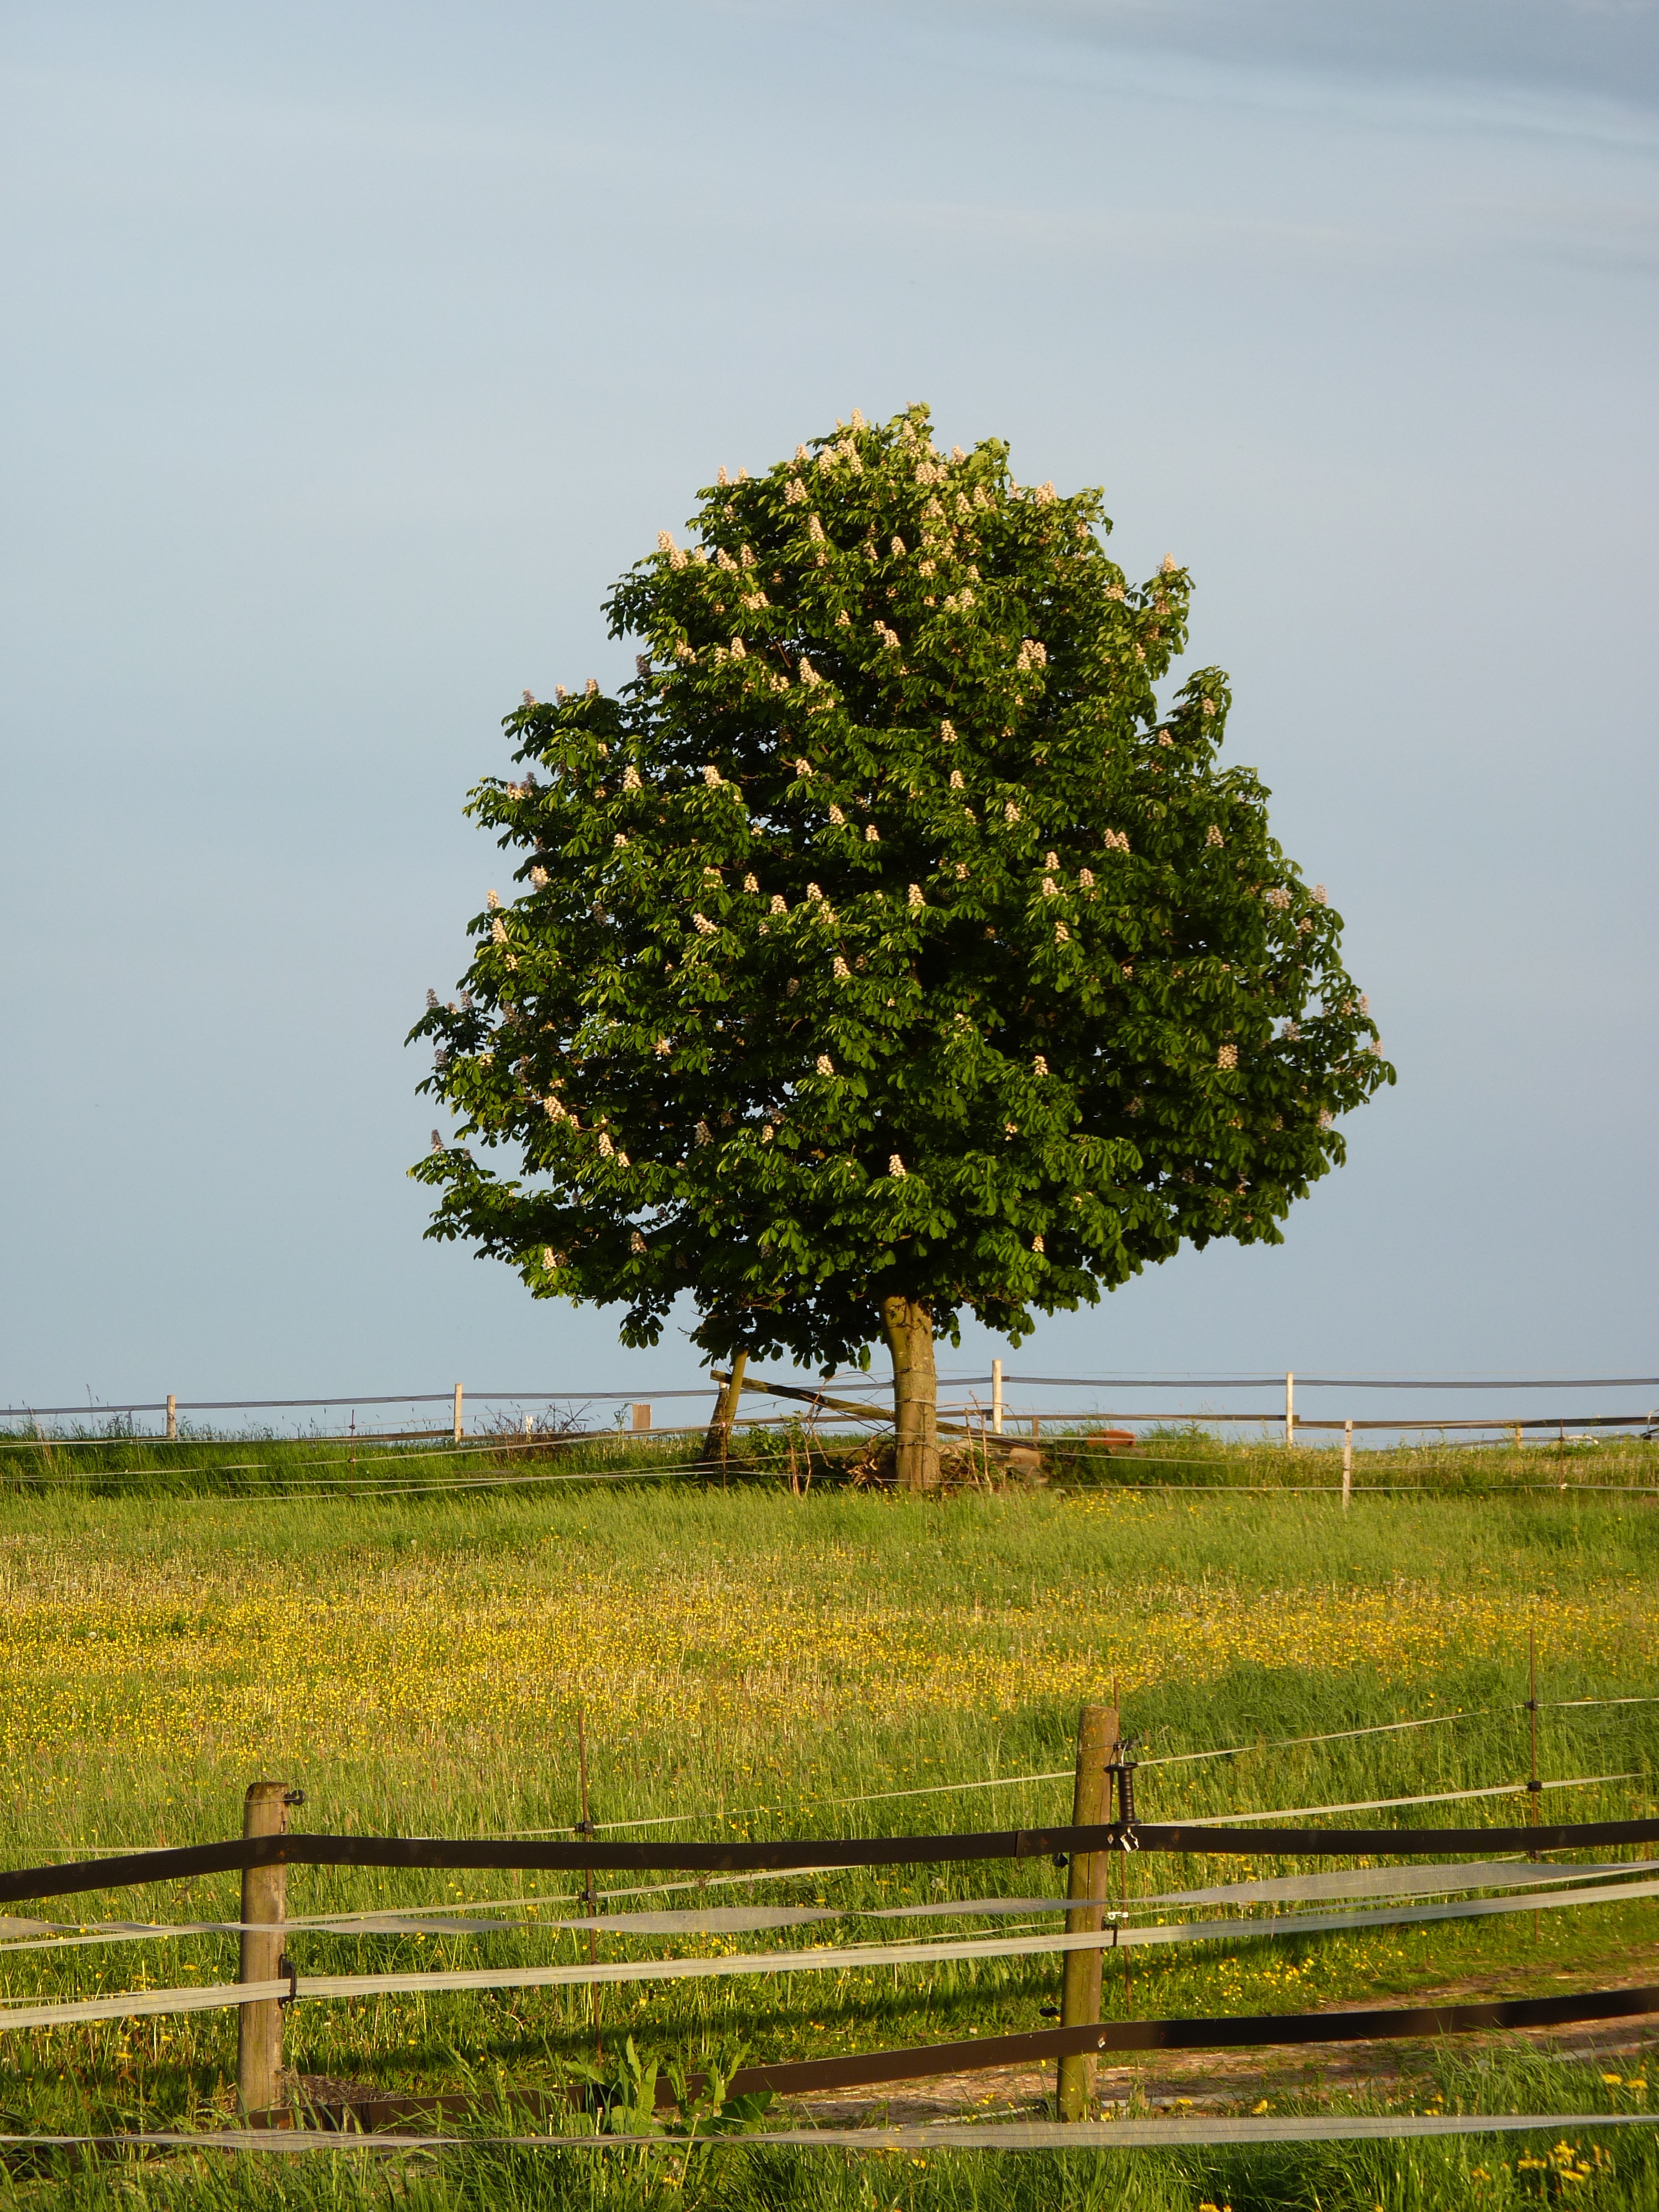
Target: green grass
1603 2167
745 1658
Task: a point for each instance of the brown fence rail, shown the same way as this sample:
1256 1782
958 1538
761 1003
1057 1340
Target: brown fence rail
809 1854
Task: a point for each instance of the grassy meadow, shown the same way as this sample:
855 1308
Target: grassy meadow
749 1660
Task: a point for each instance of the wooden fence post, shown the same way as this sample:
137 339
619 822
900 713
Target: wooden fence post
996 1397
1080 1999
1347 1465
1290 1411
457 1412
641 1417
173 1419
265 1899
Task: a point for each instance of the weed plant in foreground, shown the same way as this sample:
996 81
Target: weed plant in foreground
754 1663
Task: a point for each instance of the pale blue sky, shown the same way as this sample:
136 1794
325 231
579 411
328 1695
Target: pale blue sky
351 351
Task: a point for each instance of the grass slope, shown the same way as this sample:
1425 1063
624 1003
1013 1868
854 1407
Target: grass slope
748 1660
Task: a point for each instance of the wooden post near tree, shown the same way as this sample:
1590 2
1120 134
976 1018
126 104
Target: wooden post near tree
908 1326
260 1956
718 1441
173 1419
1079 2000
457 1412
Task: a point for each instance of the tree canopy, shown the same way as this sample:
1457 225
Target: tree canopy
885 940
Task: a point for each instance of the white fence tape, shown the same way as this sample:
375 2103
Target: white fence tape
1438 1880
734 1920
1383 1804
1395 1881
835 1958
1198 2134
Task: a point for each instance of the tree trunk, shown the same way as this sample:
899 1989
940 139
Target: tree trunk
908 1328
716 1443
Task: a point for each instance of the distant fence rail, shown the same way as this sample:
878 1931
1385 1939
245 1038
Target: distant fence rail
961 1407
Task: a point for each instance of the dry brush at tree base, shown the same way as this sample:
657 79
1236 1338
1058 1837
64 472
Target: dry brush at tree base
885 951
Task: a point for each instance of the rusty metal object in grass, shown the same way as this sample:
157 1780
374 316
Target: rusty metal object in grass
1113 1441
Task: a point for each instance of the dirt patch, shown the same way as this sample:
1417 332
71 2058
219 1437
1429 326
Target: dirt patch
1212 2081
